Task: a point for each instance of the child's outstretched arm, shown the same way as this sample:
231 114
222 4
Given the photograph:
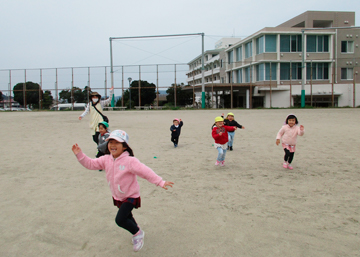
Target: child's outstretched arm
91 164
167 183
76 149
301 130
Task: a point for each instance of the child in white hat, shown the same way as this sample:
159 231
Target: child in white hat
122 169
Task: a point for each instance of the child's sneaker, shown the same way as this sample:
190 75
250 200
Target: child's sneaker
285 165
222 163
217 163
138 241
290 167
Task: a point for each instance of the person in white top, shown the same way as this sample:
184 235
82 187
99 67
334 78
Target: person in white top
95 108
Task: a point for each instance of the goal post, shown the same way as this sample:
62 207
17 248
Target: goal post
157 36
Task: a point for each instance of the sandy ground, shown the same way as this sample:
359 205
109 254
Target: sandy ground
52 206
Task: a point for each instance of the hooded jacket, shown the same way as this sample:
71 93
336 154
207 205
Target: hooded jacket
224 138
121 173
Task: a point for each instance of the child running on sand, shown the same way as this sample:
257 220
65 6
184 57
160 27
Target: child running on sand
122 169
104 134
219 133
229 121
288 134
175 131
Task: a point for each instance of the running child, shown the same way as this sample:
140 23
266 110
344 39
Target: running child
229 121
122 169
220 134
104 134
175 131
288 135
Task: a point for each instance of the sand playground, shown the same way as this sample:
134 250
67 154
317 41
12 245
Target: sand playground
52 206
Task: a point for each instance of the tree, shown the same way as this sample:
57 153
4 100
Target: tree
47 100
1 96
80 96
148 93
31 96
183 97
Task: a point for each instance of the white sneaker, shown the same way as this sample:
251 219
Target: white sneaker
138 241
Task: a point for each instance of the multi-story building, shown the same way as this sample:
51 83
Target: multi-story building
267 68
214 68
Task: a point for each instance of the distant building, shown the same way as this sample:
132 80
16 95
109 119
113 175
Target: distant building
265 69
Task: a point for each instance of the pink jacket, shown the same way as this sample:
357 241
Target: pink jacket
289 134
121 173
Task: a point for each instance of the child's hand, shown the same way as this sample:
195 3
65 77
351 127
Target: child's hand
277 141
222 114
112 88
235 128
76 149
174 130
80 118
242 127
167 183
220 133
301 127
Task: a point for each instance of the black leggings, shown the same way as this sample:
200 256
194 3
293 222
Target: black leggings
125 219
96 137
288 157
175 140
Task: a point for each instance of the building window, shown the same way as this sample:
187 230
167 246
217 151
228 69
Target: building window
316 71
239 54
270 71
286 71
260 45
239 76
247 74
270 43
290 43
347 46
265 71
248 50
230 57
346 73
317 43
260 72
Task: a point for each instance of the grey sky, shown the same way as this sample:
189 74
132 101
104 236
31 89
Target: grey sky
52 34
47 33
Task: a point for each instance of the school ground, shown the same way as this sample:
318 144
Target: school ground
52 206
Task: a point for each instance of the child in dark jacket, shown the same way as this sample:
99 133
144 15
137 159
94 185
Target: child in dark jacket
229 121
175 131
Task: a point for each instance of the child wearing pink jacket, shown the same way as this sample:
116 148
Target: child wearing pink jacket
288 135
122 169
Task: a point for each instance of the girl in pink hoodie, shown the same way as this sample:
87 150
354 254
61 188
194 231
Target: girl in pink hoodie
288 134
122 169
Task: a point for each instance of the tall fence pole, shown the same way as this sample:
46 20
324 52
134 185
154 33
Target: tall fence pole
202 73
72 88
175 96
40 91
10 90
139 85
24 90
157 85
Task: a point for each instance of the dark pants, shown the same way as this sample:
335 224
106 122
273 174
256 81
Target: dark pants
125 219
175 140
96 137
288 157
